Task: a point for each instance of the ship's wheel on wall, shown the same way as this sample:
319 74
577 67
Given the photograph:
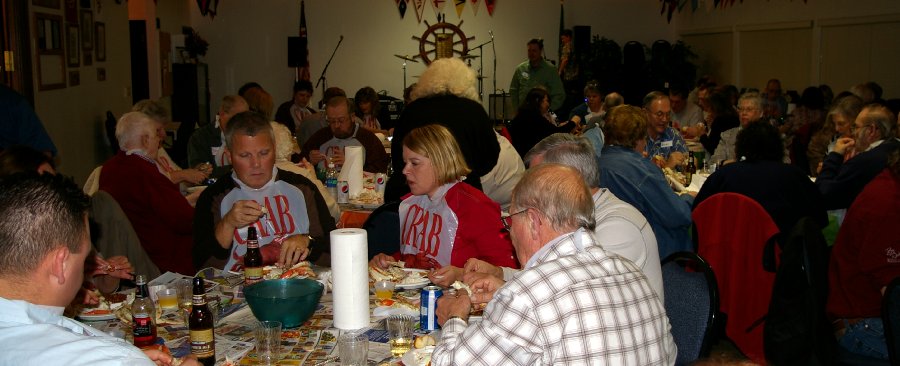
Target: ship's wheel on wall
442 40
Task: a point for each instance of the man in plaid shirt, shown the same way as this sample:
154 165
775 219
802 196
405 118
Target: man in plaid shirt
573 302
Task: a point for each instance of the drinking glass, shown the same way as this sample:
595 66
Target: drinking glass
185 296
353 349
400 328
168 298
384 290
268 342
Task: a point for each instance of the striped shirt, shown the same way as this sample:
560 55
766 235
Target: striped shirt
573 304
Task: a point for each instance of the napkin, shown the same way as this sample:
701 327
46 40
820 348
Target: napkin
350 276
352 171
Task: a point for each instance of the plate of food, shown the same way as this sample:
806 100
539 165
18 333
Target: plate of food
106 308
300 270
403 278
420 354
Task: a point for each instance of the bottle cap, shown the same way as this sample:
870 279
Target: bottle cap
140 279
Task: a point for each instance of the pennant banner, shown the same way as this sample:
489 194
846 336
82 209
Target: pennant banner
475 7
490 6
401 6
420 7
438 6
460 4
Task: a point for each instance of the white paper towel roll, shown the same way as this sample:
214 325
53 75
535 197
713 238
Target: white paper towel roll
350 277
352 171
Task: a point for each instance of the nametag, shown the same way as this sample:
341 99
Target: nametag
666 144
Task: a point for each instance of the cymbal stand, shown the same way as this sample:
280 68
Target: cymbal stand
404 75
322 79
481 67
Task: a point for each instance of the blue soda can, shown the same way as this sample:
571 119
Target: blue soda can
427 318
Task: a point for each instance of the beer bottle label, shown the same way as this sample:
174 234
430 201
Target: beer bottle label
202 343
142 327
252 274
199 299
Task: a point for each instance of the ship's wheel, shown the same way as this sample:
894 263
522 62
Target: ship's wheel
442 40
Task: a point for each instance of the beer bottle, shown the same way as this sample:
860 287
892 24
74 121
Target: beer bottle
143 315
691 168
201 327
253 262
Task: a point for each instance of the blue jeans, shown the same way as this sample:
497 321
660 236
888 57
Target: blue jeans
865 338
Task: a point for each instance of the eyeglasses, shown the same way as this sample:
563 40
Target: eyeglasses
507 220
338 120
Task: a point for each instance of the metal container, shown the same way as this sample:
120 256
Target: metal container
343 192
380 182
427 318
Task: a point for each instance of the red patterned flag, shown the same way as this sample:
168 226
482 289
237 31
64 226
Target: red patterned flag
303 69
438 6
420 7
490 6
475 7
401 6
460 4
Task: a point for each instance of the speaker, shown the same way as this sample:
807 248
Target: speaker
297 52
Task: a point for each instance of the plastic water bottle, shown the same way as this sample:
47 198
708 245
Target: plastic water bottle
331 177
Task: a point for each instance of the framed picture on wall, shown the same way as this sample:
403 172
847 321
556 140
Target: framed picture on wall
71 11
73 48
88 58
100 41
53 4
101 74
87 30
74 78
51 62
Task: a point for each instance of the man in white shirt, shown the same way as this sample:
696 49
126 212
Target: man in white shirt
45 241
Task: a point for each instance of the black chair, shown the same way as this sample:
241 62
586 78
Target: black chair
383 229
110 128
692 304
890 315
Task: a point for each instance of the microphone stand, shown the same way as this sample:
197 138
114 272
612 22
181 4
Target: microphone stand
322 79
481 67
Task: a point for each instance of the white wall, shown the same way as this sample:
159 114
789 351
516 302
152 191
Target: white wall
248 41
835 42
74 115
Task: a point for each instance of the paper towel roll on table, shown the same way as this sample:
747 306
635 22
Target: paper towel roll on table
350 277
352 171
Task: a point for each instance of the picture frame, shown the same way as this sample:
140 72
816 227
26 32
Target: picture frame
101 74
53 4
71 11
51 59
87 30
100 41
88 58
74 78
73 47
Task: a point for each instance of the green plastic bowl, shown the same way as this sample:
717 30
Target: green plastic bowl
290 301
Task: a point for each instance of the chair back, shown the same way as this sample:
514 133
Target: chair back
890 314
383 229
692 303
117 236
733 231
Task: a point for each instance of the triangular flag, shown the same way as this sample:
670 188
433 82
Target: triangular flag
475 7
438 6
460 4
420 7
401 5
490 6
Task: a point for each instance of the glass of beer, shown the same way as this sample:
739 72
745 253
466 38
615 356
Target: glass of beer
384 290
400 328
168 298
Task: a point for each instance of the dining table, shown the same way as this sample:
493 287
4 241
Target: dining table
314 343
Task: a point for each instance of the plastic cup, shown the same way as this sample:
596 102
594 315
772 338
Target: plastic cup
400 328
268 342
384 290
168 298
353 349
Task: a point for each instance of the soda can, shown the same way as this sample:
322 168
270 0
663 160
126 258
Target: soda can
343 192
380 181
427 318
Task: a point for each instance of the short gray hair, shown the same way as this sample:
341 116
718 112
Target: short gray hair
132 127
153 109
566 149
558 192
248 124
447 76
753 97
653 96
882 118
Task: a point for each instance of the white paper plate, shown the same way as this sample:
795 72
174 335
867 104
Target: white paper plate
406 286
94 318
411 358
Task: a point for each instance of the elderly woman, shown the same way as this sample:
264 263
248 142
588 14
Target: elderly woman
446 94
636 180
160 115
784 191
534 122
443 222
161 217
285 146
837 125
